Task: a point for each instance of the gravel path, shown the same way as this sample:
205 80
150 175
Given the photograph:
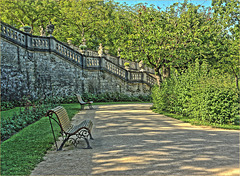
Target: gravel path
130 139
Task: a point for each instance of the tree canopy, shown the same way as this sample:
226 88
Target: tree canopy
162 39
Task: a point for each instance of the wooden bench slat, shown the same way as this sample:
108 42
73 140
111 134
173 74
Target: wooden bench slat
63 118
82 103
67 128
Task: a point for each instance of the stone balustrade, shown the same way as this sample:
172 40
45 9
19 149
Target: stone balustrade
13 34
136 76
114 69
91 62
40 43
150 79
111 64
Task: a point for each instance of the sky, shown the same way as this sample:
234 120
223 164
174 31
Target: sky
163 3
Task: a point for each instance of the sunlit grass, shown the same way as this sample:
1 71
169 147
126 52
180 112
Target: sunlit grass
195 121
9 113
23 151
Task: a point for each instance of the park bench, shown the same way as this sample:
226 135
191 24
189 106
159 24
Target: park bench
82 130
83 103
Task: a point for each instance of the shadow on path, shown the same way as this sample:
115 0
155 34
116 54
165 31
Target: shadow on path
132 140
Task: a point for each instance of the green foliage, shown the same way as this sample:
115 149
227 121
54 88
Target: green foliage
30 113
6 106
115 97
34 13
23 151
9 113
226 14
159 97
199 93
168 38
215 105
171 38
34 110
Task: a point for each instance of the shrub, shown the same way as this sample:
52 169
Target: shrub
29 114
159 98
214 100
198 93
114 97
6 106
33 110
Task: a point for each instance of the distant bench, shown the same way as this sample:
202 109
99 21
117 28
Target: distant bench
83 103
82 130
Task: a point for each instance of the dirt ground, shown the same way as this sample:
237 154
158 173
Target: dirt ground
130 139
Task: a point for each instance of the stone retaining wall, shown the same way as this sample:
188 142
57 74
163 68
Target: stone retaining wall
32 65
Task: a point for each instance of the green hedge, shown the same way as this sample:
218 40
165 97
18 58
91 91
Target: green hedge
6 105
33 111
199 93
21 153
27 115
102 97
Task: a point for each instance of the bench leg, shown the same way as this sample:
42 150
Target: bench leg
64 141
82 107
88 145
90 106
84 133
91 136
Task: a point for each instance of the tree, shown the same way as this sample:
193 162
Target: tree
35 13
227 15
165 39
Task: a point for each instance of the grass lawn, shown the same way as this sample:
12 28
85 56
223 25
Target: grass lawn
194 121
9 113
23 151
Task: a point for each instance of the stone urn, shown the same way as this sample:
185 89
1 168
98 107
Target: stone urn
69 41
26 29
82 48
50 29
127 65
42 31
118 52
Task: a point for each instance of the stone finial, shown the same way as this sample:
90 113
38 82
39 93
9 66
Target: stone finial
118 52
83 46
42 31
141 65
69 41
50 28
100 50
83 41
26 29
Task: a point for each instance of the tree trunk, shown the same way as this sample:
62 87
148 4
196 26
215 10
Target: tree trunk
158 76
166 72
236 79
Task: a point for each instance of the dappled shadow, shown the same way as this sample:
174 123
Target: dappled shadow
132 140
135 140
